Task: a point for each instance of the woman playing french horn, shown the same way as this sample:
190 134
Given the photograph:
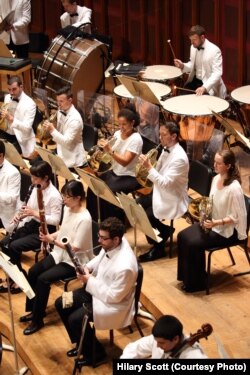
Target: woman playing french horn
228 223
125 150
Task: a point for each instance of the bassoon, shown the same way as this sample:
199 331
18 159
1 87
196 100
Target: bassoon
45 246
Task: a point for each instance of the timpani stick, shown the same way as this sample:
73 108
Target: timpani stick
170 45
183 89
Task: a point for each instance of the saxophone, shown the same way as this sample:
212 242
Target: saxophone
75 260
205 211
45 246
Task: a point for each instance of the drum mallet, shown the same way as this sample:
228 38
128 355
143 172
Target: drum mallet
170 45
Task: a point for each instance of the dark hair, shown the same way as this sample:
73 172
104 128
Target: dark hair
69 1
114 226
130 114
73 188
13 79
2 148
65 90
233 173
167 327
197 30
41 169
172 127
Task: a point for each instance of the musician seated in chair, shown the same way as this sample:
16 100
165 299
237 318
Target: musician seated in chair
108 288
169 199
76 15
77 228
228 222
68 133
166 341
10 181
25 235
19 112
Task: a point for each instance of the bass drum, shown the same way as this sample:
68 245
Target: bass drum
80 63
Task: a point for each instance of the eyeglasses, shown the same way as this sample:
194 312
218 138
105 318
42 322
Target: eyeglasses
103 238
66 196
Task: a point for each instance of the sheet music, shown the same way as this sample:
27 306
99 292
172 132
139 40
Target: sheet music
16 275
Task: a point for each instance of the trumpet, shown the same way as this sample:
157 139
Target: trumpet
141 173
42 134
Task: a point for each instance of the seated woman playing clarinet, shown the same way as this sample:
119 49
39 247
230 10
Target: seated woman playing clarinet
229 222
77 227
125 151
25 236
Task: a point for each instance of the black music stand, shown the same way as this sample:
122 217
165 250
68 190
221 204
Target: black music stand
13 272
99 188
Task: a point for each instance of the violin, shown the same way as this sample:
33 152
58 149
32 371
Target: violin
204 332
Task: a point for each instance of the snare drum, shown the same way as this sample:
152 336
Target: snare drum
79 63
161 73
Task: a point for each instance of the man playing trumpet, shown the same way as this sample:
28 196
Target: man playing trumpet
169 199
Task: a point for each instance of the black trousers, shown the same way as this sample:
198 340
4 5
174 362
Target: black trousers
21 51
117 184
193 85
192 243
72 319
26 238
164 230
40 277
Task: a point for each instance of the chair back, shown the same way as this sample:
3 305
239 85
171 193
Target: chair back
95 230
89 136
247 203
147 145
138 287
200 178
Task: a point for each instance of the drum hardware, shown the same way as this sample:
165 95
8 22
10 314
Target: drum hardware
141 173
170 45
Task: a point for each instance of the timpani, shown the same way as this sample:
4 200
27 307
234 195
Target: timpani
195 115
241 95
161 73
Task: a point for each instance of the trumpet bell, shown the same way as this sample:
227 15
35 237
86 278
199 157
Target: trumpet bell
98 160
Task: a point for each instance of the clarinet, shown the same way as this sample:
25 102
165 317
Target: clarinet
73 256
19 215
45 246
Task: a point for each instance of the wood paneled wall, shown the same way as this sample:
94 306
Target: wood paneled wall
140 29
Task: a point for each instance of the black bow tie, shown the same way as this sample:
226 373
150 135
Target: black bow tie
63 113
166 149
73 14
199 48
107 256
1 166
15 100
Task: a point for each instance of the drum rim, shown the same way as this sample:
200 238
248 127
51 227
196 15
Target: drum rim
238 88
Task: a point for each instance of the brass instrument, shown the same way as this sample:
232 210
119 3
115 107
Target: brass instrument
205 211
141 173
3 121
42 134
99 160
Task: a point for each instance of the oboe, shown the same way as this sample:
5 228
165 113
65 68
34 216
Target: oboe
19 215
45 246
75 260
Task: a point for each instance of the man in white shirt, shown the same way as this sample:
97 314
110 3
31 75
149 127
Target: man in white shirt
205 65
75 15
166 341
68 133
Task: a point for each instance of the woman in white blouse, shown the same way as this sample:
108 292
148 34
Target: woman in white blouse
125 150
228 223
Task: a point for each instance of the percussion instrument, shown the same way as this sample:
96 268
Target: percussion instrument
241 95
160 73
195 114
158 89
80 63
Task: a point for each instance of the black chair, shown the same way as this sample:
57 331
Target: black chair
200 178
89 136
243 244
137 300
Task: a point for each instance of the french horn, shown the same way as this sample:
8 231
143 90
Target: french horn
3 121
141 173
42 134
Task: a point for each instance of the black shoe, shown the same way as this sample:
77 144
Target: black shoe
3 289
152 254
189 289
87 362
72 352
32 328
26 318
